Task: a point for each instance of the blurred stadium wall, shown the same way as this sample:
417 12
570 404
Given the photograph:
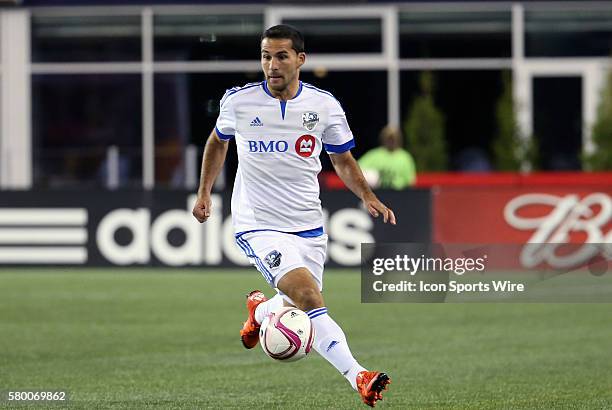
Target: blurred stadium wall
106 105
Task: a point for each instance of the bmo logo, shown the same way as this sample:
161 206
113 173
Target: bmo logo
268 146
305 145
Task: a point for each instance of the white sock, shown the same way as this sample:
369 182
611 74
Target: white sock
270 306
330 342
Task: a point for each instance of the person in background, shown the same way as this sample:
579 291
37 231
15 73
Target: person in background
389 166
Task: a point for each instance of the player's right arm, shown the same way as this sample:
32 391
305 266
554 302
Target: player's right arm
212 162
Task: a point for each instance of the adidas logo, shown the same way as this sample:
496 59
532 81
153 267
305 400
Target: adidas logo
256 122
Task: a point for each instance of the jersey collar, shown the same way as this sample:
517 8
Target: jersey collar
264 85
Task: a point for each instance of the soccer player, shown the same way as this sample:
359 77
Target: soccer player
280 126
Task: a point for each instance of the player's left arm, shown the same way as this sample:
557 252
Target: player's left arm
349 172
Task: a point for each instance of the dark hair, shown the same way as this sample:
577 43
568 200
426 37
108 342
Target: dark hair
284 31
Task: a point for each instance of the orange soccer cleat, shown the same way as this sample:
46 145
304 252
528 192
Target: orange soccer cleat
250 330
370 386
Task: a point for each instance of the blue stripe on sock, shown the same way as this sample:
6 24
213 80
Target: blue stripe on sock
313 311
318 314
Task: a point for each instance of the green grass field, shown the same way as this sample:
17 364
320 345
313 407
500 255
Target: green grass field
169 339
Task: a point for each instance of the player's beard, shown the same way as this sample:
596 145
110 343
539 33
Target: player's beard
278 86
282 86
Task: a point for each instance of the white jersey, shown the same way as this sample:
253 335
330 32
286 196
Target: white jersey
279 143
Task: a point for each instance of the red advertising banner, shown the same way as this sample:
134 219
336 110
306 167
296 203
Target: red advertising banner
520 215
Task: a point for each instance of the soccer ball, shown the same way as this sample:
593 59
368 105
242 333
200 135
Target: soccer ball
286 335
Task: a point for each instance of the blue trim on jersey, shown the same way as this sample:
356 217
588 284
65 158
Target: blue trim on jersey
234 90
312 87
224 137
245 87
339 149
264 85
283 105
299 91
310 233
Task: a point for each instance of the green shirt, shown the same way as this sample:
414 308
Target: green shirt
395 168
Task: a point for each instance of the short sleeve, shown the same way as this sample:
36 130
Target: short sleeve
226 122
337 137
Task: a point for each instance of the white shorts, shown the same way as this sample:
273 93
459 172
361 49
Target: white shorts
276 253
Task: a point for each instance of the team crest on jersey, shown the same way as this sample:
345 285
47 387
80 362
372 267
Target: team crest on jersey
305 145
273 259
310 120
